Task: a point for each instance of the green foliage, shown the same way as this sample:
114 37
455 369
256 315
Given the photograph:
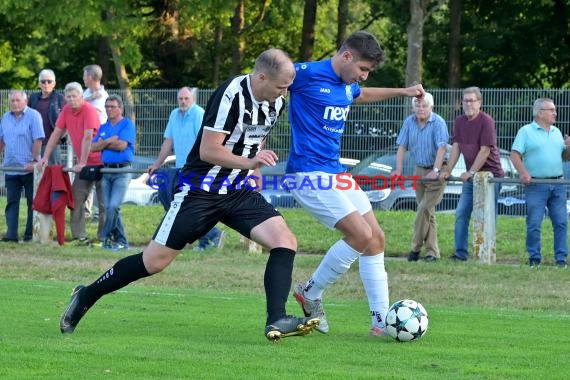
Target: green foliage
174 43
499 53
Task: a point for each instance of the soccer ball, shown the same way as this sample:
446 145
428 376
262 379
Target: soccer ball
406 320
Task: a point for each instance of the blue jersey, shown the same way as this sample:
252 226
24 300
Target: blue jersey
318 109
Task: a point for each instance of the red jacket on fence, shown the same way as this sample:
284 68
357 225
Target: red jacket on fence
54 194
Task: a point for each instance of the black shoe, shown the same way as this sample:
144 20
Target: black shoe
9 240
413 256
561 265
290 326
430 259
534 263
456 258
74 312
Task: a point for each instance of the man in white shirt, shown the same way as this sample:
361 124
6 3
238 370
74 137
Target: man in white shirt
95 92
96 95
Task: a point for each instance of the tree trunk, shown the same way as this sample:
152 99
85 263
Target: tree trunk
415 42
237 29
343 13
103 59
219 33
454 59
308 32
123 79
121 72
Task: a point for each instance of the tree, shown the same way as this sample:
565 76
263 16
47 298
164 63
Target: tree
342 23
415 41
454 44
237 31
170 43
420 12
498 53
308 34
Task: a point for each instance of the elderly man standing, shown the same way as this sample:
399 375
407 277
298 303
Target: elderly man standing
48 103
21 135
474 136
180 134
424 134
81 122
537 153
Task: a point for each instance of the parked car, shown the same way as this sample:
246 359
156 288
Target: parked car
381 164
139 192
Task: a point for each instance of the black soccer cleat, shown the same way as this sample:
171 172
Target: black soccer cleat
290 326
74 312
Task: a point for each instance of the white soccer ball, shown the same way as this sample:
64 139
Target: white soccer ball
406 320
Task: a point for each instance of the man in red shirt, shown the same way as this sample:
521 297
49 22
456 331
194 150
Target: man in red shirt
81 121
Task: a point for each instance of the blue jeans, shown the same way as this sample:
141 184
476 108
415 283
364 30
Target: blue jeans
209 237
14 185
539 197
114 187
463 217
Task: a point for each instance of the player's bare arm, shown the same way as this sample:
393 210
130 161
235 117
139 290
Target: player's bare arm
375 94
85 149
53 139
213 151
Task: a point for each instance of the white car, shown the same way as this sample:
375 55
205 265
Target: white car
140 193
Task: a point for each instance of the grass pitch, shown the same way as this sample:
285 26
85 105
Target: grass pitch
203 317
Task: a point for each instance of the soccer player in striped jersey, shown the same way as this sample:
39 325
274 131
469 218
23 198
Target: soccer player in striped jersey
215 186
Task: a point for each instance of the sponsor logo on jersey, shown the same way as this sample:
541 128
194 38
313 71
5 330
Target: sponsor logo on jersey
325 90
336 113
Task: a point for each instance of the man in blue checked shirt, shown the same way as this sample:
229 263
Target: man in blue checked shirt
424 134
21 135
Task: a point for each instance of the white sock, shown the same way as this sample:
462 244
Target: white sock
336 262
375 281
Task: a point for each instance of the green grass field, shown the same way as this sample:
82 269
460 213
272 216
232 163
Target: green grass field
203 317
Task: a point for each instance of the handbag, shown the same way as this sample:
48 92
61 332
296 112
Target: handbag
91 173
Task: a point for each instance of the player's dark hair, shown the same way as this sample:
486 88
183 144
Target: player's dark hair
271 62
364 46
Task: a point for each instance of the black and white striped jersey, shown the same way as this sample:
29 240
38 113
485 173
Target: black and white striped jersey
232 110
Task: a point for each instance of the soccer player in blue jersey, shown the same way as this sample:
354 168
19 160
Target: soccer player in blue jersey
238 118
321 95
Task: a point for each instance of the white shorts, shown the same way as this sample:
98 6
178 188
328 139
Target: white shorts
329 197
